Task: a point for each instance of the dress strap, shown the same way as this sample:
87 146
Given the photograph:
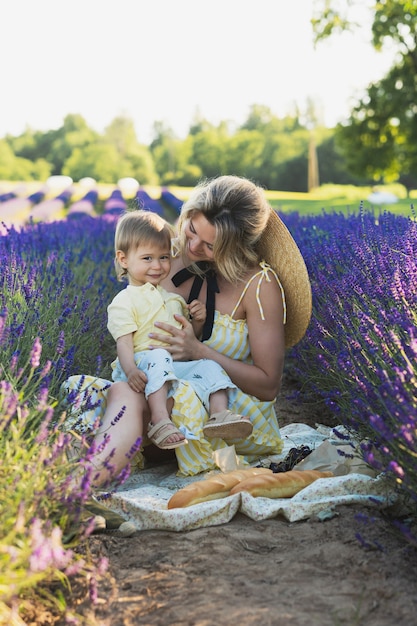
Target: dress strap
263 274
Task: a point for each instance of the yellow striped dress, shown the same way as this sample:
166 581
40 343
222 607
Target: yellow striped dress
229 337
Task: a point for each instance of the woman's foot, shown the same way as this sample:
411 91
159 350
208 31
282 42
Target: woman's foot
165 435
228 425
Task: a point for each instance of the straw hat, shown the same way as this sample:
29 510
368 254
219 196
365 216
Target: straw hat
278 248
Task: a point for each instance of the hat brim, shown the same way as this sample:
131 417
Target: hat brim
279 250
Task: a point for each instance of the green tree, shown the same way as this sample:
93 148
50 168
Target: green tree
134 157
260 117
380 138
74 134
279 148
54 146
172 156
332 163
99 160
173 161
33 145
142 166
244 153
209 150
121 133
13 167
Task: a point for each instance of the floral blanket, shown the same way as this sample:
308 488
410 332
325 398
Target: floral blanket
142 500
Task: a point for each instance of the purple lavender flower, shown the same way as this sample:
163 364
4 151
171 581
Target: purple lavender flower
47 551
35 355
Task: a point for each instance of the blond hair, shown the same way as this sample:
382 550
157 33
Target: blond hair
239 211
136 228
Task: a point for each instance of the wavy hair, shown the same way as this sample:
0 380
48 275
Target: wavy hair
239 211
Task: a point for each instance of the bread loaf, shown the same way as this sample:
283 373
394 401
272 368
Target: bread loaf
213 488
281 485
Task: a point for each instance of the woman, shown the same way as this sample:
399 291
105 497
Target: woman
234 253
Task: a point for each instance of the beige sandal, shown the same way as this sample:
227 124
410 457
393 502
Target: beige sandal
160 432
228 425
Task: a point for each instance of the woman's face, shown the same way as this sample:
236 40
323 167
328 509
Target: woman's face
200 235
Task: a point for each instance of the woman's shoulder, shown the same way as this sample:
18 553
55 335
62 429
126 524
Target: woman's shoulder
266 289
260 281
259 273
264 273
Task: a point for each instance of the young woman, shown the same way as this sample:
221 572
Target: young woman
236 255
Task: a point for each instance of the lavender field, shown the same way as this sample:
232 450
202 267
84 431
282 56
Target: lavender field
359 356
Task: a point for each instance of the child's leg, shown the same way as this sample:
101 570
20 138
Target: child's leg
218 401
216 392
158 404
207 379
162 431
223 422
161 383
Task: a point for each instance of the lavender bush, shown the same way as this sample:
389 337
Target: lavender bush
41 506
360 351
56 282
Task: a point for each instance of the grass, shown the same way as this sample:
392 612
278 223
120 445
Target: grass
327 198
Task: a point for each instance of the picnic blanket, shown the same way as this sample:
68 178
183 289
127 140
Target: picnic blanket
143 499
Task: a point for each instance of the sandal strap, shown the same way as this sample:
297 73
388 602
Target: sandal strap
160 431
225 416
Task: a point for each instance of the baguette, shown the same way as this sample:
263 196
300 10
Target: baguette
213 488
281 485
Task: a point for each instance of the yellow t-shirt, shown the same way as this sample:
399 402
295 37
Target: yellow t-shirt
136 309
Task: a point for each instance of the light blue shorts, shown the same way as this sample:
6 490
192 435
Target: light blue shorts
205 376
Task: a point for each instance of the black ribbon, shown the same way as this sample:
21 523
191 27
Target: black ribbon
212 288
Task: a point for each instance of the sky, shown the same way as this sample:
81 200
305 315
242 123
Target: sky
174 60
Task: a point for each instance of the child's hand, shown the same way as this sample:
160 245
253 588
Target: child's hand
197 310
137 380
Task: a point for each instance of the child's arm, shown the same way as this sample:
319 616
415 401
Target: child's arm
135 377
198 313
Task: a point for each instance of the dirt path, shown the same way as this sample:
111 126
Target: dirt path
268 573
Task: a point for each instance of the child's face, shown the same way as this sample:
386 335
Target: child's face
149 263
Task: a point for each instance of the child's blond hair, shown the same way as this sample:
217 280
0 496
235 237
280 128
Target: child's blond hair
136 228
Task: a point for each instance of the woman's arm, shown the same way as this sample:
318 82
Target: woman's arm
266 337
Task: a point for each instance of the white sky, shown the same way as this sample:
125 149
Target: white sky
167 60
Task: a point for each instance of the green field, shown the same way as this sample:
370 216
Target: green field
327 198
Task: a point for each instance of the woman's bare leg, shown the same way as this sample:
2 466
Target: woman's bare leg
123 432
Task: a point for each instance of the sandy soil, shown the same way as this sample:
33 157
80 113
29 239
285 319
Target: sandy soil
268 573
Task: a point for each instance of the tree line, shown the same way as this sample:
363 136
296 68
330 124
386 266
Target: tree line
277 153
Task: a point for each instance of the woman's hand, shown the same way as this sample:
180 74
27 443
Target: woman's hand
180 342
